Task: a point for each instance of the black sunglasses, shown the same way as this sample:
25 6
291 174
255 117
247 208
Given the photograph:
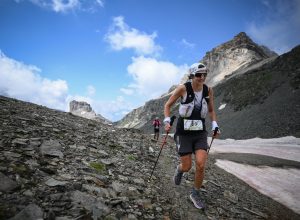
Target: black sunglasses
200 74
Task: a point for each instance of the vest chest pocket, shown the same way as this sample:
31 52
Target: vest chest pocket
204 108
185 110
192 125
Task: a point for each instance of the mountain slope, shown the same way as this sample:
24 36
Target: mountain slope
264 102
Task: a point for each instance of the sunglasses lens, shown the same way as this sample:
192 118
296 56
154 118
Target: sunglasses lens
200 74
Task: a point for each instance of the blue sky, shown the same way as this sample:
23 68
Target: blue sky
117 54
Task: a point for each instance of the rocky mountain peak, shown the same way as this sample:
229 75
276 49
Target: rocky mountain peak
242 37
84 109
233 56
80 106
240 40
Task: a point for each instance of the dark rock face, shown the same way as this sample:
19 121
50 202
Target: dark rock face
267 51
54 165
264 102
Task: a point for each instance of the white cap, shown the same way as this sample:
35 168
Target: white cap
197 68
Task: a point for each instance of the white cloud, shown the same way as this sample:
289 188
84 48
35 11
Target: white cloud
91 90
121 36
279 27
187 44
64 6
127 91
113 110
152 78
99 2
24 82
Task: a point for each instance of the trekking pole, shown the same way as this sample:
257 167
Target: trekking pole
212 139
164 142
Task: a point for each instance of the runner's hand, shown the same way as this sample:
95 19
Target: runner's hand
167 121
215 129
167 127
216 134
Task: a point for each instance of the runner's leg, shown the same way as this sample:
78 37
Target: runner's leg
186 163
184 166
201 156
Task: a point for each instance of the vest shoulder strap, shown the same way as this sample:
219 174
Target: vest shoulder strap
190 95
205 93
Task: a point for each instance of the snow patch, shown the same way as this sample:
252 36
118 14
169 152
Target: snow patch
222 106
285 148
280 184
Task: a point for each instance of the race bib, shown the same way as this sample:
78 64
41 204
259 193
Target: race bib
193 125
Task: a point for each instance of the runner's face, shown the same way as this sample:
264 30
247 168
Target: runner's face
200 77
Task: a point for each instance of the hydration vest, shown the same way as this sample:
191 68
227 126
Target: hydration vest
156 124
192 120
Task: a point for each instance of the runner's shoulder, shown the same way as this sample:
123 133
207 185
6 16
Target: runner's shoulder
181 89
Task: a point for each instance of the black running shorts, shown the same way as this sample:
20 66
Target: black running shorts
188 144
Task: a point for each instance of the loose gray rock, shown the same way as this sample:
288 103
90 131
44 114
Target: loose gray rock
7 184
54 182
31 212
51 148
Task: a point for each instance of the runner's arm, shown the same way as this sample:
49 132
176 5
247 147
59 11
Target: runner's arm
212 113
211 109
167 109
173 98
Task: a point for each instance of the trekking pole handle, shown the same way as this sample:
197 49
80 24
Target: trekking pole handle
216 131
172 120
212 139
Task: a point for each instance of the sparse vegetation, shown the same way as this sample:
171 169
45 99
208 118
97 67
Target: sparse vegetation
98 166
21 169
131 157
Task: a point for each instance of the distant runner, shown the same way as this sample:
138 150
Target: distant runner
196 100
156 125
